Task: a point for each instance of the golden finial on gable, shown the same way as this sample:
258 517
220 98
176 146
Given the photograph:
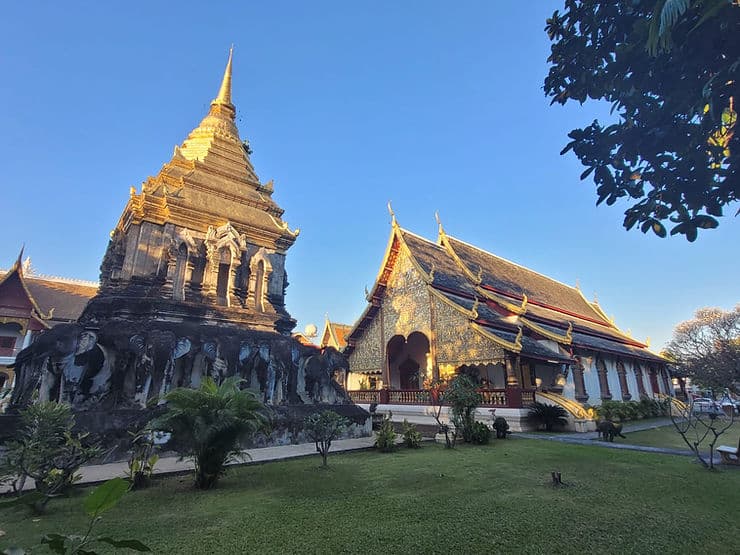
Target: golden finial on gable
647 341
474 310
394 223
479 276
525 300
578 284
596 298
367 294
132 191
518 340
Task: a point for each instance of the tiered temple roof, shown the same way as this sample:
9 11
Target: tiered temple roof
523 311
210 181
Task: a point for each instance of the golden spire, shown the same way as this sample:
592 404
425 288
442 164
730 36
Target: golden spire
224 93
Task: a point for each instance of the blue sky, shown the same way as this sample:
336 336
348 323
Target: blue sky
433 105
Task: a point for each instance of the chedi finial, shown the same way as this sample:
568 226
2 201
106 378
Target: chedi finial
224 93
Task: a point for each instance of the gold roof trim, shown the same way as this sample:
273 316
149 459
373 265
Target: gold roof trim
564 339
473 314
515 347
501 301
442 240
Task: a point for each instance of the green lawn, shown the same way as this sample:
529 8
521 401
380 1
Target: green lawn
667 436
488 499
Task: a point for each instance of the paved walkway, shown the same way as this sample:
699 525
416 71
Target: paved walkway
172 465
591 438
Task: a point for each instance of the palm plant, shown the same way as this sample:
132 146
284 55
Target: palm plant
208 423
548 415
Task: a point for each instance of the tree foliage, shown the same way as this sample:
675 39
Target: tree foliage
48 451
323 428
707 348
669 69
208 423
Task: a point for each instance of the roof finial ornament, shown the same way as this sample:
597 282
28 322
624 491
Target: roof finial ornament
518 340
394 223
367 294
474 310
647 341
525 300
479 276
596 298
224 92
578 284
441 230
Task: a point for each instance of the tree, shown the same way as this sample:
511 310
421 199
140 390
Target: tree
463 398
208 423
48 451
323 428
707 348
701 426
671 71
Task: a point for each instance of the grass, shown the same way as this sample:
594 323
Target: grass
667 436
487 499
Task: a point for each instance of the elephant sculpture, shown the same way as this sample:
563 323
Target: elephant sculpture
317 371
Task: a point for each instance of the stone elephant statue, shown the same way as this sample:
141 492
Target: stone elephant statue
317 371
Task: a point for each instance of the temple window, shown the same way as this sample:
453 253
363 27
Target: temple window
9 335
222 283
181 263
259 287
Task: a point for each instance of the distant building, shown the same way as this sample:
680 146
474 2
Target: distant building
445 307
30 304
334 335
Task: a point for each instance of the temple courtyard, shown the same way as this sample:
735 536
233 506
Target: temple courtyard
494 498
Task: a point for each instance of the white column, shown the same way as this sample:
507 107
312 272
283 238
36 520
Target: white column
27 339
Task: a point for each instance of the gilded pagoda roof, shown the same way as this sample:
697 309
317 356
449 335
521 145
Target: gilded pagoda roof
210 181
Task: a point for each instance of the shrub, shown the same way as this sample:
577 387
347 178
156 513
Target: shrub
385 437
48 451
480 433
411 436
549 416
208 423
463 398
323 428
143 459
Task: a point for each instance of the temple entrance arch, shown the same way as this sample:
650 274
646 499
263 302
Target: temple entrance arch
408 359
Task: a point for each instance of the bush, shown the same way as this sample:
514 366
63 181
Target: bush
463 398
549 416
385 437
411 436
323 428
480 433
143 459
47 451
208 423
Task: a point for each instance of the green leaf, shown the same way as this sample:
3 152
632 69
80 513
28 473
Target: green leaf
55 542
105 496
136 545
